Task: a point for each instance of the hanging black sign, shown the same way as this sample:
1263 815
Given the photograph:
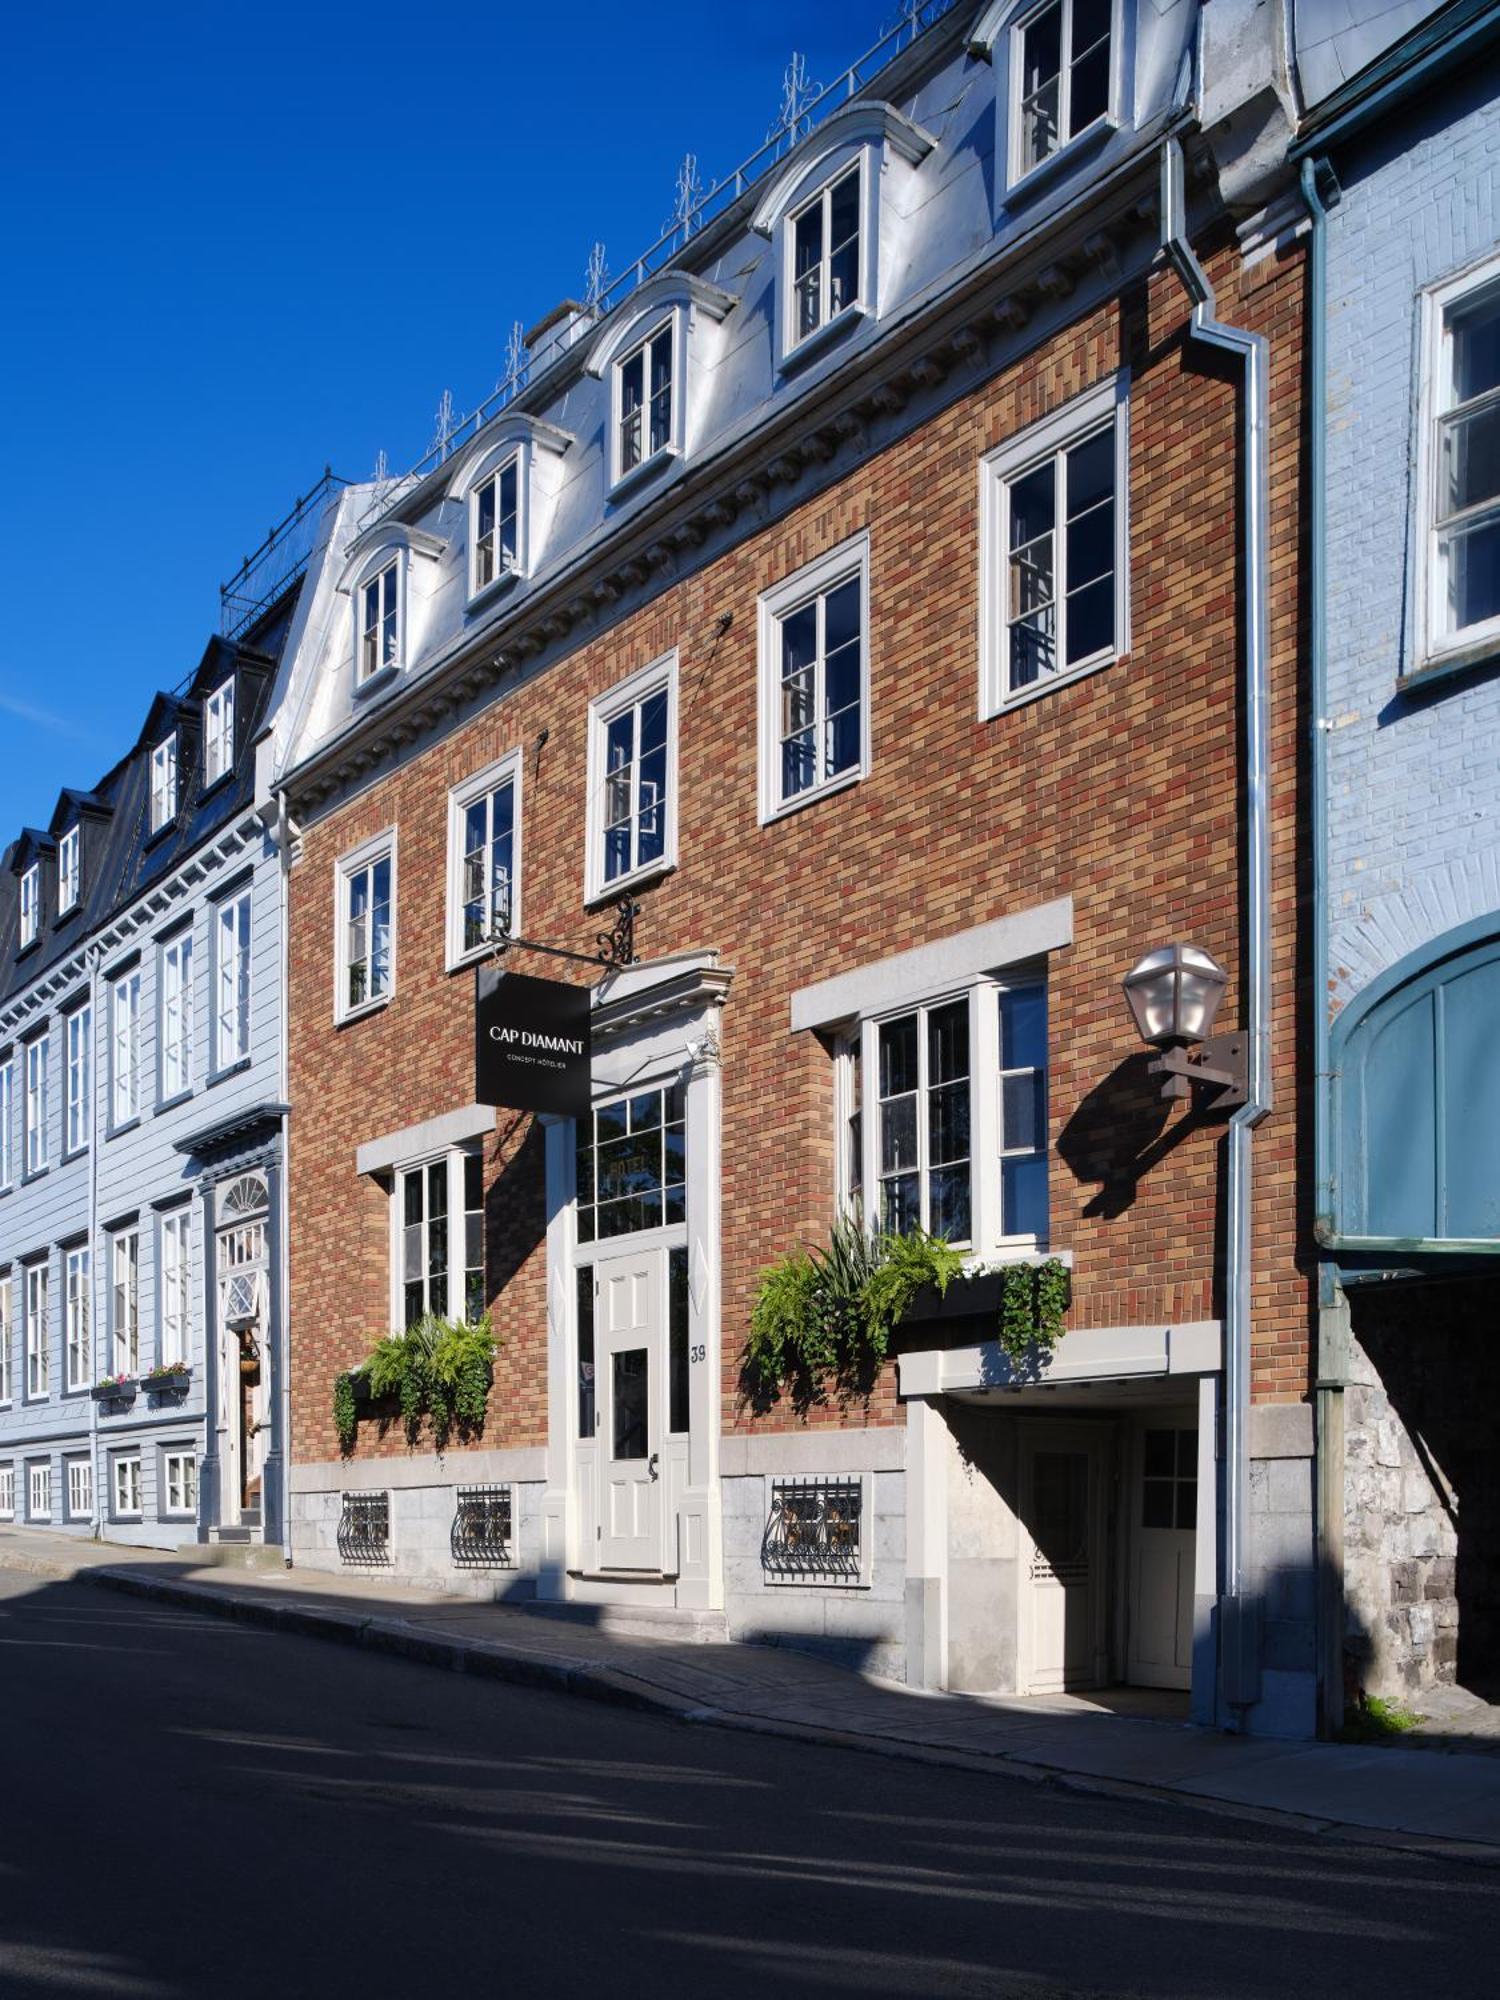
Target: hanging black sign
531 1043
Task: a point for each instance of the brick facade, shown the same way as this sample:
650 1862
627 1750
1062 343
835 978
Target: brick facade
1120 790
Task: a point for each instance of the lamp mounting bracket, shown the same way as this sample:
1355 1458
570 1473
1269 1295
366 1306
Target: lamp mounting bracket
1220 1069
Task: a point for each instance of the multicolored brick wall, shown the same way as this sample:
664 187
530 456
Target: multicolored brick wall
1121 790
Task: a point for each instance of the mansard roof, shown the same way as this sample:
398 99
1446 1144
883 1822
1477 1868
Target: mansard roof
127 857
74 805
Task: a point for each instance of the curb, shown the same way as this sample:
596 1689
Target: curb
615 1688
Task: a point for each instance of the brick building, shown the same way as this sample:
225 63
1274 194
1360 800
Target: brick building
875 588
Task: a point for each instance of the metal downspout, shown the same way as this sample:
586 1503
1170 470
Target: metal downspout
1238 1646
283 1274
1333 1318
95 955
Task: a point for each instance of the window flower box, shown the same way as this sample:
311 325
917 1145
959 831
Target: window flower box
974 1295
114 1389
170 1381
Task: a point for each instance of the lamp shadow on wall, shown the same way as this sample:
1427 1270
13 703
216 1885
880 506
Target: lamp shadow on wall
1119 1131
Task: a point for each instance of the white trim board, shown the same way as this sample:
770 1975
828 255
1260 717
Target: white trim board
1091 1354
932 969
417 1142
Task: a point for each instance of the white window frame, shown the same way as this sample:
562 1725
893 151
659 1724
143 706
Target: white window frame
174 1001
78 1346
516 460
1052 437
31 904
660 676
38 1332
7 1336
373 580
347 870
867 167
38 1143
816 579
454 1159
174 1303
80 1490
125 1486
988 1240
125 1301
505 770
218 733
179 1472
674 323
7 1492
39 1508
125 1049
69 872
233 981
1018 174
164 782
1436 643
79 1115
7 1113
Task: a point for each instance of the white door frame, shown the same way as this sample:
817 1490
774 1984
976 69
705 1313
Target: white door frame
652 1023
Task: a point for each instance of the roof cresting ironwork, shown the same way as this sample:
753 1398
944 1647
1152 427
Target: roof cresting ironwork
804 104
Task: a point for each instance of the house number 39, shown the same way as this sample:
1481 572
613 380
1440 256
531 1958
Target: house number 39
697 1353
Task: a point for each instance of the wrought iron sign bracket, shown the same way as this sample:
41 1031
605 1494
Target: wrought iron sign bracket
616 946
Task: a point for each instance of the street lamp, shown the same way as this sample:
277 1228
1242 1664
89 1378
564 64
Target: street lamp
1173 994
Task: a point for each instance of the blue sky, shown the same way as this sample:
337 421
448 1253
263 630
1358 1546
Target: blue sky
243 242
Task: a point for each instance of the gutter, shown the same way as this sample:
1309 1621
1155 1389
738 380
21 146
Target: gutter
1239 1674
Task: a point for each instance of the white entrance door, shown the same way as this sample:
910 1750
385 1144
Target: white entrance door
1063 1550
1163 1536
628 1348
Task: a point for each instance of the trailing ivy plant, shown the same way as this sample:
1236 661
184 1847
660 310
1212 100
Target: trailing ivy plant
345 1413
824 1315
1033 1299
439 1369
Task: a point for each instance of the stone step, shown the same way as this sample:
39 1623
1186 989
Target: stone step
237 1553
669 1622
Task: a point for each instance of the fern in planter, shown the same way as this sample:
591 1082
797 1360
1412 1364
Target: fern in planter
438 1368
824 1315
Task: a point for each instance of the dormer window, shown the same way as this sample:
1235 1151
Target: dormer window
67 871
218 733
31 904
644 386
495 527
825 254
380 622
1061 66
164 783
836 208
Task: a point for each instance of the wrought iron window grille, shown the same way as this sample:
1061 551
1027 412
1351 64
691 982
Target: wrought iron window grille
814 1529
365 1528
482 1537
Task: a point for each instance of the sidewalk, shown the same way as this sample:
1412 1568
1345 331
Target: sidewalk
1423 1799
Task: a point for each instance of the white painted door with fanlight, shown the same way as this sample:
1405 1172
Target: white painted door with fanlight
628 1353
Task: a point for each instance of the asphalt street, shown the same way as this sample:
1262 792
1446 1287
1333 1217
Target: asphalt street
196 1808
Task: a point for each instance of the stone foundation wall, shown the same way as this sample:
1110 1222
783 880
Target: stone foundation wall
1400 1548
